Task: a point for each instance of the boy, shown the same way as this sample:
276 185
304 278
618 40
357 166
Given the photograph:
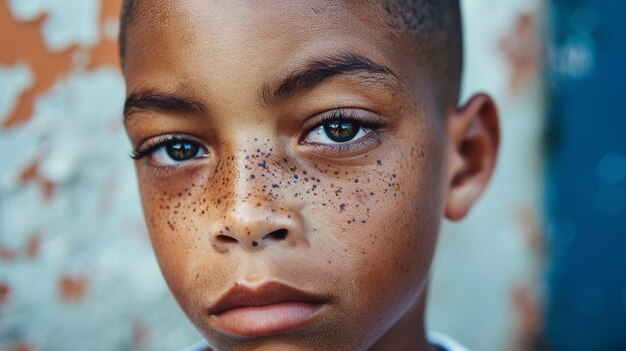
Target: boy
295 159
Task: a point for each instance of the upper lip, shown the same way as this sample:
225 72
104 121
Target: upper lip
266 294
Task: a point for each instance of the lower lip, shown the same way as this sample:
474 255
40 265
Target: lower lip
255 321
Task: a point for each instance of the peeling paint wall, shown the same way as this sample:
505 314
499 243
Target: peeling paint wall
76 268
486 288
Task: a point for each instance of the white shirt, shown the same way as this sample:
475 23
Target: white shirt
441 340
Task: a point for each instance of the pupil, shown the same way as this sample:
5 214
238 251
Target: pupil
182 151
341 131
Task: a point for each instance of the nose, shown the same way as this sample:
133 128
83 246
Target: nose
254 226
256 212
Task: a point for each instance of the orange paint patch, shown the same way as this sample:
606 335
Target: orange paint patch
531 227
5 291
529 313
25 43
33 245
30 173
141 336
48 188
72 289
7 254
20 346
106 53
521 47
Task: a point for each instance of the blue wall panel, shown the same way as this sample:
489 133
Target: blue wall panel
586 175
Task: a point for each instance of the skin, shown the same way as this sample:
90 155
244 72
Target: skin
361 222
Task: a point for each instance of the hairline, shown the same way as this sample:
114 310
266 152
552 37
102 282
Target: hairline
434 24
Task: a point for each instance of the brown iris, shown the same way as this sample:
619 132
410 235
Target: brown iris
341 131
182 151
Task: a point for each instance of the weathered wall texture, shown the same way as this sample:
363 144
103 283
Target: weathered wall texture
76 270
488 273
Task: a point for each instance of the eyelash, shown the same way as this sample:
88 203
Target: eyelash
153 145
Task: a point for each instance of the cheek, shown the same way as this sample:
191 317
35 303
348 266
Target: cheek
173 214
384 228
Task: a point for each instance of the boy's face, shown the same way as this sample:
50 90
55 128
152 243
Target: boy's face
291 143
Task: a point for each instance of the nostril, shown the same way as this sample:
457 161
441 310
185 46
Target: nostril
277 235
226 239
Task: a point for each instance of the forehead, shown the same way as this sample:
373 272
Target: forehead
222 39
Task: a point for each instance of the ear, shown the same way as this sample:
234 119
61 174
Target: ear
474 137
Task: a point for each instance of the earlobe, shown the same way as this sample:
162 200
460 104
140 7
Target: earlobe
474 139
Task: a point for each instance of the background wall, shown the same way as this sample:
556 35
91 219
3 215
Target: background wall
586 180
76 268
488 276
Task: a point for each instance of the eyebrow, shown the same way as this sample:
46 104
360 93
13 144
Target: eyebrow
319 70
297 82
151 100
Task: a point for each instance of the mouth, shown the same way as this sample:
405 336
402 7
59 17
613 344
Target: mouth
270 309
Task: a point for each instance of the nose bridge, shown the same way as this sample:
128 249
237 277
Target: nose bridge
253 171
255 213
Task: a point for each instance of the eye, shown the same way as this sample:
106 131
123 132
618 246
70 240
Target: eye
176 152
171 151
338 131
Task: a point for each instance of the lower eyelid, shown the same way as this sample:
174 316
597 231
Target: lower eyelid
365 144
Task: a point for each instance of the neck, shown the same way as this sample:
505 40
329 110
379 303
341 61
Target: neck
408 333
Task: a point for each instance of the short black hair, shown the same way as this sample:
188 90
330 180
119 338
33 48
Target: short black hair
128 11
434 24
436 27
